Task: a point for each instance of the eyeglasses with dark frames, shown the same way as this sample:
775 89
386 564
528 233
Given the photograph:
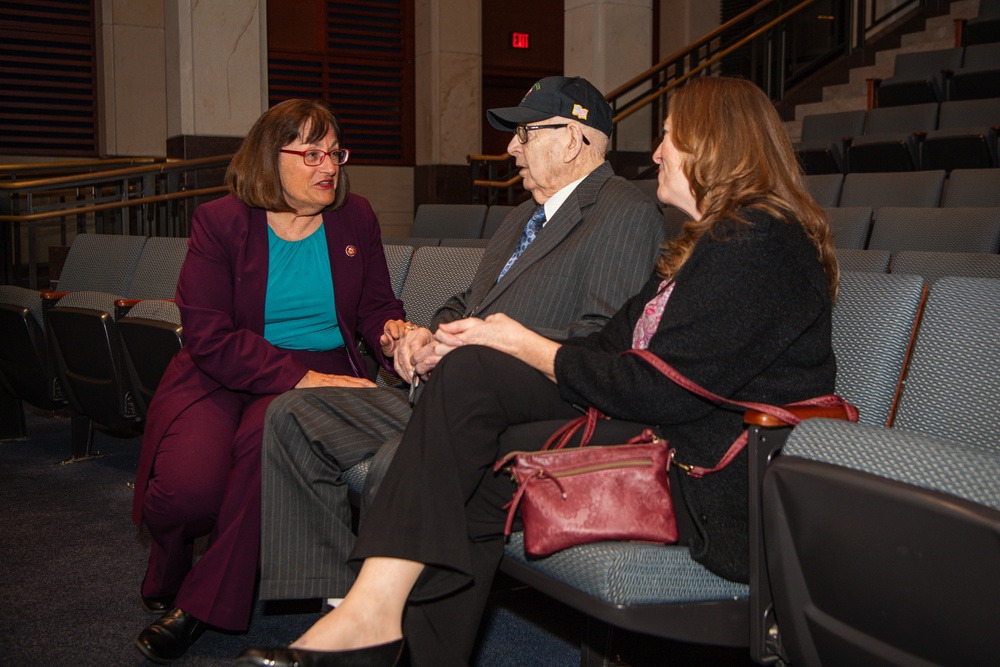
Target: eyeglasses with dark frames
522 131
315 157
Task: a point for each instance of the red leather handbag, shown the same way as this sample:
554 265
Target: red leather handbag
579 495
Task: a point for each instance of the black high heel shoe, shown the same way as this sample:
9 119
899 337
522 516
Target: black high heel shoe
392 654
170 636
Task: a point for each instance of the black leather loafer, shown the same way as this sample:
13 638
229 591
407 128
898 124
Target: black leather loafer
158 605
170 636
392 654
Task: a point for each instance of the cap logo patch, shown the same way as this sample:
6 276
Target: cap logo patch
580 112
537 86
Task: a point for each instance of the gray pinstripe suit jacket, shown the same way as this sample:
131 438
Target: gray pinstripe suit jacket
595 252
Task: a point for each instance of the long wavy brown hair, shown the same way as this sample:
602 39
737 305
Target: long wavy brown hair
736 154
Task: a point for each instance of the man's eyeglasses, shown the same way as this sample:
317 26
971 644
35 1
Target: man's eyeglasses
522 131
314 157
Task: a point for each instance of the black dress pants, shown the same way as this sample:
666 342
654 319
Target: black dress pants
441 504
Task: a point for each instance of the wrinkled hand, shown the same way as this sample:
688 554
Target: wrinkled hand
392 333
427 357
315 379
504 334
411 341
497 331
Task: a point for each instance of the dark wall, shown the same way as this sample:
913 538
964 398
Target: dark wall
509 72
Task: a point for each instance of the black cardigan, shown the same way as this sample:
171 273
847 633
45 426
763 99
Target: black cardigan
750 319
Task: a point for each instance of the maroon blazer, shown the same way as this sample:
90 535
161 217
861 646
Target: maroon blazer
221 293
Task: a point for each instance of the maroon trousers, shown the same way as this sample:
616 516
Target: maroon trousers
206 481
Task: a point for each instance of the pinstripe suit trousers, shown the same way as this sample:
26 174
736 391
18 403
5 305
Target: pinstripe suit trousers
310 437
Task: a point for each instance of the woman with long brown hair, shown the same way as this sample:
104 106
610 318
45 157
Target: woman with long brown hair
740 303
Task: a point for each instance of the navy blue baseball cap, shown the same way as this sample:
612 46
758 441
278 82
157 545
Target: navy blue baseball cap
567 97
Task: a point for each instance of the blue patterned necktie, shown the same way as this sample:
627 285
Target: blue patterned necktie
527 236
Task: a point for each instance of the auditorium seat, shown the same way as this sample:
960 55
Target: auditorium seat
412 241
966 137
397 259
932 266
984 28
979 77
972 187
850 226
151 334
936 229
494 216
825 188
94 262
918 188
89 357
883 543
464 243
873 261
449 221
891 141
821 149
919 77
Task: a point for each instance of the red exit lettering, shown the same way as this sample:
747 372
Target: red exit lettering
519 40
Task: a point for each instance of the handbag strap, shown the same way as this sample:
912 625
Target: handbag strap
828 400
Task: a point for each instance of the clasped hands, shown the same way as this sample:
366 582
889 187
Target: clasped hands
419 351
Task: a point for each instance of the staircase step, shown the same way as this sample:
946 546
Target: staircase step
964 9
794 129
943 34
848 90
862 74
831 106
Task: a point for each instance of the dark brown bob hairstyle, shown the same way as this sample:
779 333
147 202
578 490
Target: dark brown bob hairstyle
253 175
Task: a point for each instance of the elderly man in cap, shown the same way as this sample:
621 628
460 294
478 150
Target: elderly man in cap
561 263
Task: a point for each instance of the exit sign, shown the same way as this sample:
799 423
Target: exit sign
519 40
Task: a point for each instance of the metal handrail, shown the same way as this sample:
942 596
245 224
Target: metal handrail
635 105
74 180
144 191
109 206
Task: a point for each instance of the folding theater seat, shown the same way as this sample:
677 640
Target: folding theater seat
919 77
915 188
90 359
979 77
94 262
972 187
936 229
882 543
891 143
966 137
822 148
449 221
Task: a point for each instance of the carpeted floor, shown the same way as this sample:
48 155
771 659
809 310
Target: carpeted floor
71 563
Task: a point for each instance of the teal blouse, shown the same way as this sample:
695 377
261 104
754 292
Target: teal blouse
299 307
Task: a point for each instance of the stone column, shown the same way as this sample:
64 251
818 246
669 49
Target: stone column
608 42
448 74
131 62
216 78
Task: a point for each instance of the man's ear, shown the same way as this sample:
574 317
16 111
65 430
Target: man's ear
576 143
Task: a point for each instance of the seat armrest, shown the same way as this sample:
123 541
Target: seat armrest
757 418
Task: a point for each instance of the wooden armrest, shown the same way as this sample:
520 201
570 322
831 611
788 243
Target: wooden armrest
123 306
53 296
757 418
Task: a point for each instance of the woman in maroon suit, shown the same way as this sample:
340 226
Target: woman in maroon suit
280 279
